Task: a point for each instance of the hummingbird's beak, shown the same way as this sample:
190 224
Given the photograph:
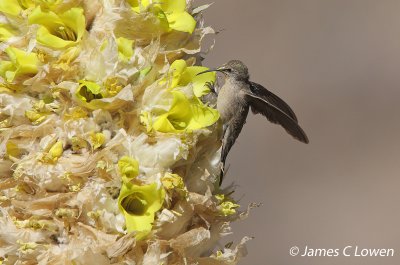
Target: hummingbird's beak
220 69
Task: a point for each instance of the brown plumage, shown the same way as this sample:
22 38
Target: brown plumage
238 94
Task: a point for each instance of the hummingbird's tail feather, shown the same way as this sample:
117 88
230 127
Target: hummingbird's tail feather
232 130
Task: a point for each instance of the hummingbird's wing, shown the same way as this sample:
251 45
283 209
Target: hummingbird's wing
270 97
275 110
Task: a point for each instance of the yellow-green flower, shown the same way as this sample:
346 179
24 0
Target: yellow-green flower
170 12
54 153
48 3
12 149
112 86
21 63
6 32
88 91
173 182
184 115
139 205
226 206
15 7
125 48
38 113
78 143
75 113
35 116
182 75
128 168
59 31
89 94
97 140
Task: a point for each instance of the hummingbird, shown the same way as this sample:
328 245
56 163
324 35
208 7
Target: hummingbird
237 95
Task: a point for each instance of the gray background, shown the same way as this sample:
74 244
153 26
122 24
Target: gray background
336 62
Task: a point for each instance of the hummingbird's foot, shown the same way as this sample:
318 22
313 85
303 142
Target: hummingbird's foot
211 86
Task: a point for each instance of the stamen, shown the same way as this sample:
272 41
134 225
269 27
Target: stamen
66 33
133 204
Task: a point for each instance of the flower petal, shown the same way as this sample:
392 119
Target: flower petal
75 19
21 63
139 205
128 167
10 7
181 21
199 81
6 32
125 48
59 31
88 91
138 5
185 115
170 6
202 116
176 70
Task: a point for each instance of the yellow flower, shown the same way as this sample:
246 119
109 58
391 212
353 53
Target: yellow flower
35 116
88 91
48 3
59 31
174 182
21 63
75 113
125 48
6 32
226 207
139 205
182 75
26 247
97 140
54 153
78 143
184 115
128 168
112 87
170 12
13 150
38 113
93 96
15 7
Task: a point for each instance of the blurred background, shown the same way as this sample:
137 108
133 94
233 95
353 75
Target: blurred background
336 62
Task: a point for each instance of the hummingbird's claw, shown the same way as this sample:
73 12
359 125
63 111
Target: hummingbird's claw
211 86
